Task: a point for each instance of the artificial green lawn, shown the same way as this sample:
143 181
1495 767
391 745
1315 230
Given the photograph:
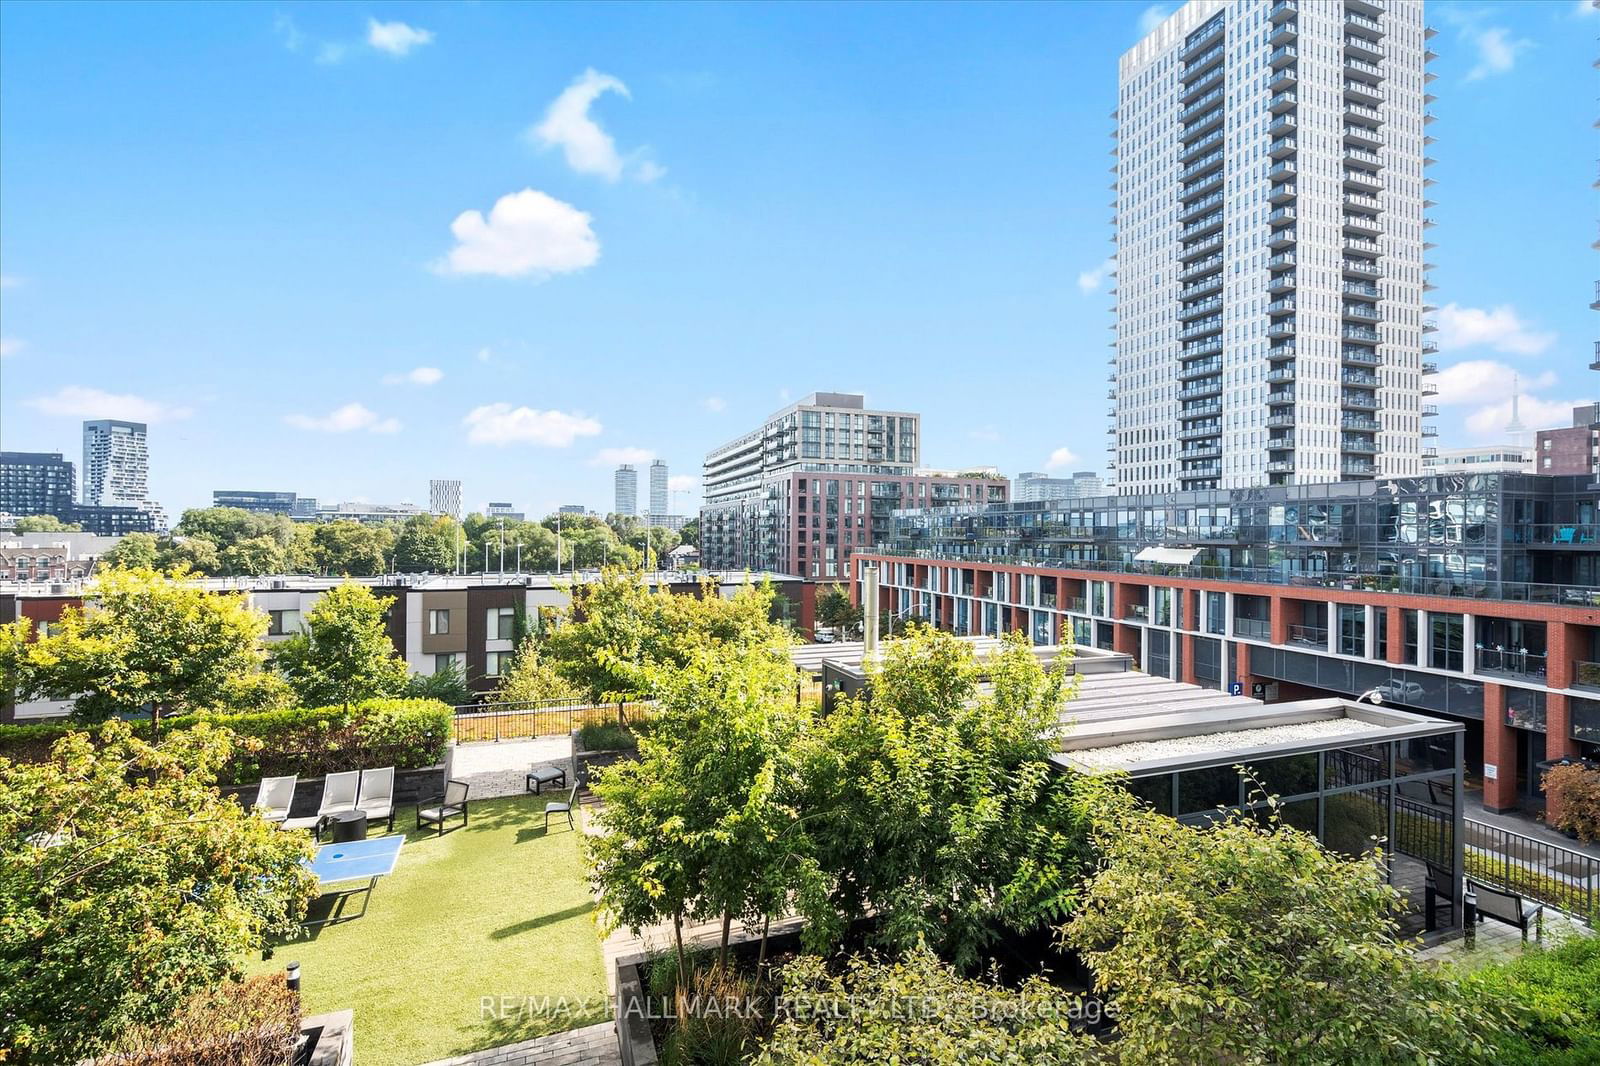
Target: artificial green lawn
498 909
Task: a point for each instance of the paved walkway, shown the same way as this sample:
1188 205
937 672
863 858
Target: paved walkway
1527 825
500 768
1497 941
594 1045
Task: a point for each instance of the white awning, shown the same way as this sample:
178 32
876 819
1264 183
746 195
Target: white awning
1180 556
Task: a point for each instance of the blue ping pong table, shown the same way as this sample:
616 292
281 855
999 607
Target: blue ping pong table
356 860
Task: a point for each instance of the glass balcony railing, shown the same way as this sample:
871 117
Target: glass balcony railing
1308 636
1510 662
1253 628
1586 674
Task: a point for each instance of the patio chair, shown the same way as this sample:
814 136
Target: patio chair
559 807
339 793
274 797
452 804
376 799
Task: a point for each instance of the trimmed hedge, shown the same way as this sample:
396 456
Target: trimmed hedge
307 741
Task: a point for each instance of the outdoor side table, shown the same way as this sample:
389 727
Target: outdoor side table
347 825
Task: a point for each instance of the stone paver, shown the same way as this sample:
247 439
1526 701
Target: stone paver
500 768
594 1045
1497 941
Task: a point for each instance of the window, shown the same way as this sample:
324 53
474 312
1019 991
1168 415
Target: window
438 622
444 661
502 623
496 662
282 623
1411 637
1352 629
1447 641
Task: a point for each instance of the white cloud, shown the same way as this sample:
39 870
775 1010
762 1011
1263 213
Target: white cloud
1060 458
526 233
1583 9
396 38
1153 16
1497 50
501 424
296 40
10 346
350 418
715 404
615 456
1090 280
682 483
422 375
1490 421
588 148
77 401
1499 328
485 354
1485 381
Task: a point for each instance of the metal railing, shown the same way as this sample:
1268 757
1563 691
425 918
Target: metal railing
538 718
1516 662
1257 628
1309 636
1558 877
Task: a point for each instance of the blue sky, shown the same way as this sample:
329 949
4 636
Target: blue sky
341 249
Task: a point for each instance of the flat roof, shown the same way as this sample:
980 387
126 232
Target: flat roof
850 655
1157 740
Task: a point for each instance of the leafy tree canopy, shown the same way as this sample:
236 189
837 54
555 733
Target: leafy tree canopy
135 551
1250 943
344 654
618 633
150 640
127 884
45 523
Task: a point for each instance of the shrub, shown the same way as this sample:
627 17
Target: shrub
1557 993
1574 793
312 741
605 736
31 743
308 741
255 1022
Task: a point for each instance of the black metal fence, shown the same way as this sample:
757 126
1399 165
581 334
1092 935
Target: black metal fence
1559 877
538 718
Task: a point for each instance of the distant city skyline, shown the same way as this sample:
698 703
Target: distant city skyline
298 321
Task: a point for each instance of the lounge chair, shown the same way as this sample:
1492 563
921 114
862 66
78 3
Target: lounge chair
453 804
562 808
339 793
275 797
376 799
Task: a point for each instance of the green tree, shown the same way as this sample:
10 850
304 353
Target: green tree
253 556
618 633
917 1010
1250 943
198 554
45 523
835 610
426 545
690 533
946 820
154 641
351 549
127 884
447 685
343 654
531 680
135 551
227 526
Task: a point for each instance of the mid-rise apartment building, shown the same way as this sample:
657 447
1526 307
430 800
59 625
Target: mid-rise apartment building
266 502
625 490
1033 486
36 483
1270 246
507 511
1475 597
1573 449
817 482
